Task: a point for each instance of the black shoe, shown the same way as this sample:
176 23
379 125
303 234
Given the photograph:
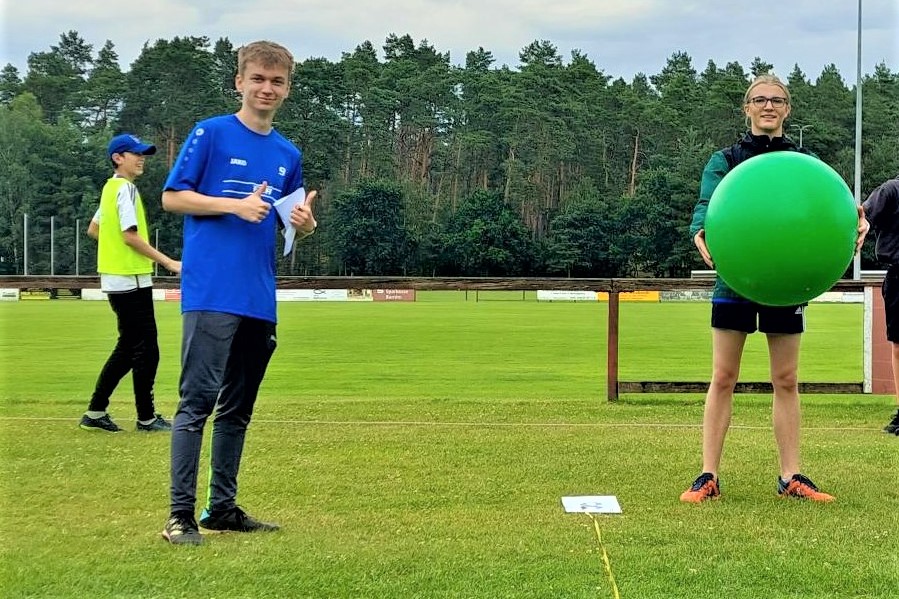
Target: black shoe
104 423
159 424
234 519
893 426
181 529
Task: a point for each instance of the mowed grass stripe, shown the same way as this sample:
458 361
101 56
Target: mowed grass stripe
421 450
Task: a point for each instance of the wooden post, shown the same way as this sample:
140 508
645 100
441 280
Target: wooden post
612 347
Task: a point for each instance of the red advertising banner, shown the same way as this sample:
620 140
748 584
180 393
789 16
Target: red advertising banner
393 295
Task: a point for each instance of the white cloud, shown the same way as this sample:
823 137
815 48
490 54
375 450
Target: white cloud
621 37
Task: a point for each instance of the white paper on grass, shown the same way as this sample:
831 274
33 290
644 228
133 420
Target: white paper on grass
591 504
283 206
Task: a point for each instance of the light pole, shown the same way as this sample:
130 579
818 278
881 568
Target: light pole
801 129
856 262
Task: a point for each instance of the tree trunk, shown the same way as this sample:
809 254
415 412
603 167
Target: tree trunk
455 193
170 147
632 184
507 187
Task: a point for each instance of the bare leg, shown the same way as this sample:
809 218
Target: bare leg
783 351
727 350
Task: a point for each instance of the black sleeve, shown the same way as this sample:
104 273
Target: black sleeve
882 206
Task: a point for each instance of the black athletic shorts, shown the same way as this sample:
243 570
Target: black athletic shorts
890 292
749 317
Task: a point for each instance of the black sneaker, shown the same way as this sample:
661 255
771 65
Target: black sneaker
234 519
159 424
104 423
181 529
893 426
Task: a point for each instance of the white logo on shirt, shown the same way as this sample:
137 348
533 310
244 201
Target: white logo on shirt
239 161
282 171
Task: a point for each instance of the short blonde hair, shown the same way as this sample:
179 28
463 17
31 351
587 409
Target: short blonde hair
769 79
266 54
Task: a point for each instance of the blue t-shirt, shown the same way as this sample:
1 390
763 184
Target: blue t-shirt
228 264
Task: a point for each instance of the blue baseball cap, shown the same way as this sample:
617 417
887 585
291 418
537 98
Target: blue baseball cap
129 143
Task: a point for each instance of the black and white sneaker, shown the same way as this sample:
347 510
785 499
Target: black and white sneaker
235 520
104 423
159 424
181 529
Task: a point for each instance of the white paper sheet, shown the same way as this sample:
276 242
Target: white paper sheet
283 207
592 504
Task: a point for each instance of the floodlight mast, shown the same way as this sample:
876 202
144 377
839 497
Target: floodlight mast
856 262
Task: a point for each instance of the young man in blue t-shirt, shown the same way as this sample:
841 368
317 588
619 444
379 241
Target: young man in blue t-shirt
230 171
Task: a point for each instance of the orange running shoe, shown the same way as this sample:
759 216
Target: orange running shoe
801 487
703 488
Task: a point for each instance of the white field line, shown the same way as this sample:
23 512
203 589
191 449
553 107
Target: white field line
431 424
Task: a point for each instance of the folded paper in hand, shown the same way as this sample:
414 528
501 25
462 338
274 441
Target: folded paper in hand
283 207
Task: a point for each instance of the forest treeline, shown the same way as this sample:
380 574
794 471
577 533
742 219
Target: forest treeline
424 167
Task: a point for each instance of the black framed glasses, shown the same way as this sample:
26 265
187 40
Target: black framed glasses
761 101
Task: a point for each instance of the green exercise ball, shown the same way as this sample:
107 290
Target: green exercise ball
781 228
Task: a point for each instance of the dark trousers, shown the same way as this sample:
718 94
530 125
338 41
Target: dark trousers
890 292
223 361
137 351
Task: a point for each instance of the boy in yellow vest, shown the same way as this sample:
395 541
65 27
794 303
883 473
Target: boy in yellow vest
125 262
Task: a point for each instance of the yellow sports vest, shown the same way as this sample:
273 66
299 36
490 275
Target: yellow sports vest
113 256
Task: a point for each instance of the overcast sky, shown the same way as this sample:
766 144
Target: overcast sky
622 37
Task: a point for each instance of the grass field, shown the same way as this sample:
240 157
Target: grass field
421 450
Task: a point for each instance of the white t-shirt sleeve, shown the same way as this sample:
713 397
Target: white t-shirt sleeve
96 218
125 204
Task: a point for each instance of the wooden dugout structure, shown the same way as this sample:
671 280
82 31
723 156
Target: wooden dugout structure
877 352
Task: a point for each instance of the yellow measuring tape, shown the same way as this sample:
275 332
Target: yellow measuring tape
605 558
